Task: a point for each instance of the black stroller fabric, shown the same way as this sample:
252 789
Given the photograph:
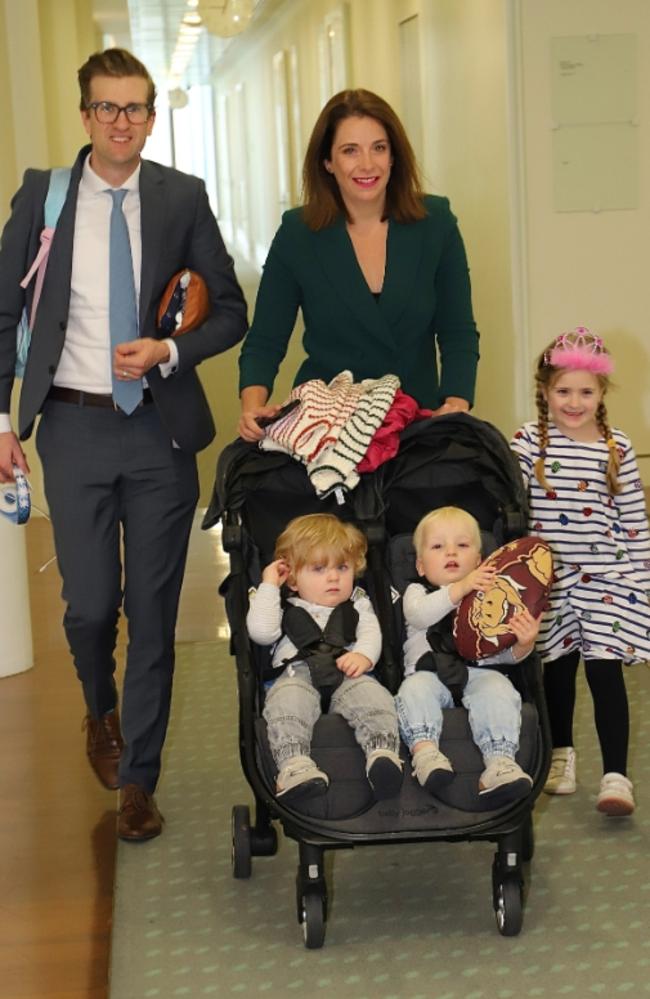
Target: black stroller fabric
266 489
455 460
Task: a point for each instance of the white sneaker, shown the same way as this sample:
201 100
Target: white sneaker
503 781
432 768
384 771
615 797
562 775
301 778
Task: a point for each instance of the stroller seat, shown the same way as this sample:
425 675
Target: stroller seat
350 797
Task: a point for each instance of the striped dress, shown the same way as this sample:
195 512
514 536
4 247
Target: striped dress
601 547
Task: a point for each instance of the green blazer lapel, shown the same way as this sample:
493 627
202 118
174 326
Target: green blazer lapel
339 262
152 219
403 254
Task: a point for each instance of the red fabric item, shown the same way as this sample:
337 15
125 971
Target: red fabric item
385 443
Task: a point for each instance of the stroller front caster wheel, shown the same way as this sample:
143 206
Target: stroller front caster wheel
313 920
241 842
508 908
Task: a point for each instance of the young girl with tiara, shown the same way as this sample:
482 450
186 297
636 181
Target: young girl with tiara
587 501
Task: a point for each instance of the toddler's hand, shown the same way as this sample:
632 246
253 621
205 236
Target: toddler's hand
276 572
525 627
481 578
353 664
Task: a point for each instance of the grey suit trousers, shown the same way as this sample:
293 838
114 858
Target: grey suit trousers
117 487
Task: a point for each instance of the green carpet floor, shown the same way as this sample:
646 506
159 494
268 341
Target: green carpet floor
406 922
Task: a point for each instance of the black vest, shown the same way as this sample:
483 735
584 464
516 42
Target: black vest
320 648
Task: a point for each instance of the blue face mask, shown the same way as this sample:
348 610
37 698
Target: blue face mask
15 501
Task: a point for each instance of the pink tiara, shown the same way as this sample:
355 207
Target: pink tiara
580 350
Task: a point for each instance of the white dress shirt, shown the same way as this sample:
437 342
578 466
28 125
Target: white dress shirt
85 361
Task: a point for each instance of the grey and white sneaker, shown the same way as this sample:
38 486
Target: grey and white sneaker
384 772
615 797
503 781
432 768
300 778
562 775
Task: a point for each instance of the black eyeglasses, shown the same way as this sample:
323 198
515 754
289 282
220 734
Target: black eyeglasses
107 113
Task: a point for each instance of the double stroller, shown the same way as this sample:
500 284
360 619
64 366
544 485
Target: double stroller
451 460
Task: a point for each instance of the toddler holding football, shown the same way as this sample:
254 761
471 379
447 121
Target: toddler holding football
447 544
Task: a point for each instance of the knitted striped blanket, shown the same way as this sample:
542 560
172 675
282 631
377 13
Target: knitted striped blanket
332 428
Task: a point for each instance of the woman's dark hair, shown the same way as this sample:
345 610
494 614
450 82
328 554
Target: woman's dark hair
112 62
322 199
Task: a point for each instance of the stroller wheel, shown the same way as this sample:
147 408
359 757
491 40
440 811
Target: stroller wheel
508 908
241 842
313 920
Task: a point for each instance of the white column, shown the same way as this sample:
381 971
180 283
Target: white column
21 48
16 653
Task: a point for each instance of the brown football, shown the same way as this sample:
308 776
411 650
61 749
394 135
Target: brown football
524 577
186 292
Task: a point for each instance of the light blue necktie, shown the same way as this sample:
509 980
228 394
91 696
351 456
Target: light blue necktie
122 308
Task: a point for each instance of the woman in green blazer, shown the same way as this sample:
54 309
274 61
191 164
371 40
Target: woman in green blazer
377 268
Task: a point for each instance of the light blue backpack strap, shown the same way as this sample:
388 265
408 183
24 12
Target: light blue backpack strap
54 201
56 194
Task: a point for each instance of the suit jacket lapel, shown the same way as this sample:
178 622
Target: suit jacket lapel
339 262
403 255
152 219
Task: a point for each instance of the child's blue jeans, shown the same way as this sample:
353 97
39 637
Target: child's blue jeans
493 704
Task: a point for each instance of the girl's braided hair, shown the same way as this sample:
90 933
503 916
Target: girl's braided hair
567 353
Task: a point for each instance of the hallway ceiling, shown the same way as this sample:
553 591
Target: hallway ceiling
150 29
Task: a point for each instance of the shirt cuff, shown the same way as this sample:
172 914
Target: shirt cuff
5 423
169 367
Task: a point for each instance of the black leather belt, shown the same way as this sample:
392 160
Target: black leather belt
78 398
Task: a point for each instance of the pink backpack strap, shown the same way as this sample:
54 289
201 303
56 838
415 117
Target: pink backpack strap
38 267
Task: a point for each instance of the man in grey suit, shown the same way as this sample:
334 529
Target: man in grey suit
116 469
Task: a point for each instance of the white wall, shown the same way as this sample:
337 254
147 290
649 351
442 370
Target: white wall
587 268
466 158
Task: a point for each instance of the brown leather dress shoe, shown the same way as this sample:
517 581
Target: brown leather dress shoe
104 746
138 818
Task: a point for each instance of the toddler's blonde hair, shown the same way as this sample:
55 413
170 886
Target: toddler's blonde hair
445 513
